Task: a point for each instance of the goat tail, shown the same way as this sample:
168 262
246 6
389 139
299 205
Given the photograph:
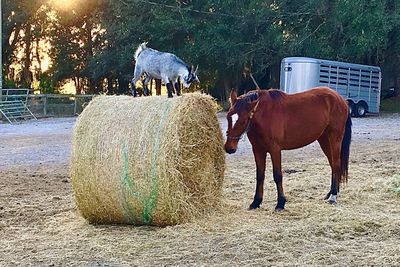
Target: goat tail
140 49
345 151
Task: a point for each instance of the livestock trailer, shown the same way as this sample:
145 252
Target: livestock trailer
359 84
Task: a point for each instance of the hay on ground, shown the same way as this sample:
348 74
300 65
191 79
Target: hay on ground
149 160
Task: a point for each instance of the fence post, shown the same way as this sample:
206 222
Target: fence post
75 104
45 105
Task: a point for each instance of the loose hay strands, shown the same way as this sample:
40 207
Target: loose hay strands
151 160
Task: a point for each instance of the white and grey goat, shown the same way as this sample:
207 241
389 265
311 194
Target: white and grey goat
160 65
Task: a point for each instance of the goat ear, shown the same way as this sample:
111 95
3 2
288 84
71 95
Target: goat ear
233 97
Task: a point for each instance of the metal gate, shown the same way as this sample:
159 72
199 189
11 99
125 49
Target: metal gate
13 105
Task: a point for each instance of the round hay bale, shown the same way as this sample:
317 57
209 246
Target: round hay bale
148 160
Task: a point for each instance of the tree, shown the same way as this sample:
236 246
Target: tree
93 43
74 38
20 32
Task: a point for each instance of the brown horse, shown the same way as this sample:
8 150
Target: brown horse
275 121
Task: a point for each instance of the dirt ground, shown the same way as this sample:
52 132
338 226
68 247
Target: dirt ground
40 226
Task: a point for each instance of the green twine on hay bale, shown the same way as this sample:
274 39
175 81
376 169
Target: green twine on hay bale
147 161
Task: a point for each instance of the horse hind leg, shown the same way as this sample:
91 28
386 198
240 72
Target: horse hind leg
331 149
336 167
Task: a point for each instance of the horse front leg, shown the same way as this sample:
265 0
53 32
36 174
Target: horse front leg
277 171
260 158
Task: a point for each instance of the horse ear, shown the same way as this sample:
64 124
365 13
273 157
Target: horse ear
196 69
233 97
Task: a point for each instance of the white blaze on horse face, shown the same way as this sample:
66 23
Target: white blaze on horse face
235 117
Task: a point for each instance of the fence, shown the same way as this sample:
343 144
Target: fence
52 105
13 105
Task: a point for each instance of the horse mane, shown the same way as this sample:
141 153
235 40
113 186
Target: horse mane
276 94
245 99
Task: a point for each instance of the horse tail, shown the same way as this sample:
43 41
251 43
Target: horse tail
345 151
140 49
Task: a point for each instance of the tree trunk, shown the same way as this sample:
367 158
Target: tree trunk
78 86
158 86
110 89
227 87
26 76
123 86
392 56
39 61
9 48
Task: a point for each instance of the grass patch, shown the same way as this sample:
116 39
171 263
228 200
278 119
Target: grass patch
396 182
391 105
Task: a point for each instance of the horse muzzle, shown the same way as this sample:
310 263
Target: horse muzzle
229 150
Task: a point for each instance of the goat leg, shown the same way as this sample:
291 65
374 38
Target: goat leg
178 88
169 88
134 92
146 90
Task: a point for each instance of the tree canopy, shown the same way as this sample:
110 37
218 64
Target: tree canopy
92 42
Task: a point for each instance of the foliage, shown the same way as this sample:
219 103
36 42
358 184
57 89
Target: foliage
9 84
391 105
93 42
46 84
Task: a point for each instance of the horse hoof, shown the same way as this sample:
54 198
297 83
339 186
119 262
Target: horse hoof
253 207
279 209
332 199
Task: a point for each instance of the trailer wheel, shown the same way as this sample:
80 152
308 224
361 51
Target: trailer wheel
360 109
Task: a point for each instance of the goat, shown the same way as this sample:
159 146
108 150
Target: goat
160 65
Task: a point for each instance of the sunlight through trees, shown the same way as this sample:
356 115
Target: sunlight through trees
91 43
